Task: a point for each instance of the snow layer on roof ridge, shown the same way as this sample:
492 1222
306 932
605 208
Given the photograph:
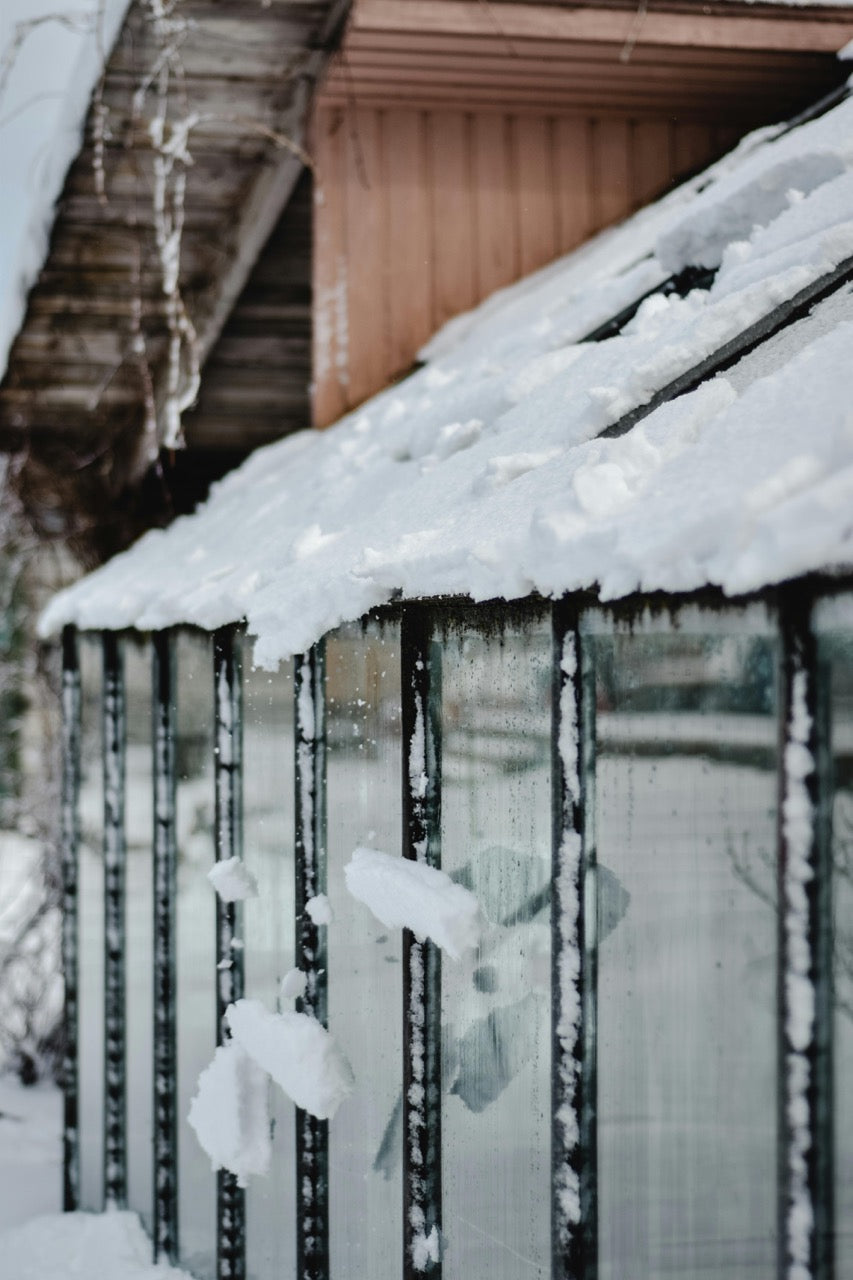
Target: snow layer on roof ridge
484 474
54 132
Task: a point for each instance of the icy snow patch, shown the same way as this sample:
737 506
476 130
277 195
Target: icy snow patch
293 984
320 909
405 894
85 1246
232 880
300 1055
230 1114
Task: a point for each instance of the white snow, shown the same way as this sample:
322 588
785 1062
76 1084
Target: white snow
230 1113
300 1055
293 985
82 1246
798 831
41 122
483 474
403 894
232 880
320 909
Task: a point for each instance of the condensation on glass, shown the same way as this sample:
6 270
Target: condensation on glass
834 625
685 830
139 953
269 939
496 1013
196 943
364 958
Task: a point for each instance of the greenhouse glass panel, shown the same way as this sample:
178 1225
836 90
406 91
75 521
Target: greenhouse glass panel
269 940
91 933
685 824
140 950
835 638
496 1013
196 946
365 982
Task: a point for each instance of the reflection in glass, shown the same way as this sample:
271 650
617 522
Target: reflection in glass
836 653
91 935
139 955
496 840
196 959
365 977
268 926
685 832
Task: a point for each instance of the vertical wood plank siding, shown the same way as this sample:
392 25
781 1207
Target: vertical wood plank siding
421 213
312 1135
165 1065
228 827
115 852
420 695
70 843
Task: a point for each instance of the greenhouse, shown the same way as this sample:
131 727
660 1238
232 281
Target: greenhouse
523 698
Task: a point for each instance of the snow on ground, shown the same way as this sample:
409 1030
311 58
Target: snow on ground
37 1242
82 1246
30 1153
485 475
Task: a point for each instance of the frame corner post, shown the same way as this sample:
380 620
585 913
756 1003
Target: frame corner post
70 853
420 660
574 1205
228 837
312 1134
806 1191
165 857
115 923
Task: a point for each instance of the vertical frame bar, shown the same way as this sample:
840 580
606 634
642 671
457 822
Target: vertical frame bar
165 1111
228 807
420 660
312 1135
805 963
574 1210
70 843
115 1075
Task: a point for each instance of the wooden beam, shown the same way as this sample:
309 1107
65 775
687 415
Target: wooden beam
824 31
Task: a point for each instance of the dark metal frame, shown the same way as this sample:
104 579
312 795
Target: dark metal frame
165 1110
115 855
312 1135
805 1062
228 842
420 695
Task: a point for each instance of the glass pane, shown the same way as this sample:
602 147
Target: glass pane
365 975
196 944
268 852
685 821
836 651
91 935
496 840
140 953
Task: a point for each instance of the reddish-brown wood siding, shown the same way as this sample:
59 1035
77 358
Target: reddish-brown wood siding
460 145
419 214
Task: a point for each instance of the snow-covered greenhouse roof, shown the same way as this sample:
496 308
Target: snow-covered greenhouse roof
561 436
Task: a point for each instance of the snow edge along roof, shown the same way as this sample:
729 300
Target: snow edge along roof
364 574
